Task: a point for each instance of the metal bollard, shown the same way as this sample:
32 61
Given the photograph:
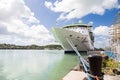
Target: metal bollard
95 63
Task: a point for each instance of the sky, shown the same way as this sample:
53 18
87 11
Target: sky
27 22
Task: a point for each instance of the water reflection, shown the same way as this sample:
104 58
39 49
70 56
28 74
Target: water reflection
2 74
27 64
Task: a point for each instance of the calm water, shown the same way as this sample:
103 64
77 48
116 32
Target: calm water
35 64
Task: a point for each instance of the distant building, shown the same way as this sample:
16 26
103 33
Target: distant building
115 35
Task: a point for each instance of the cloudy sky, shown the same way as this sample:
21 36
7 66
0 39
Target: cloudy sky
26 22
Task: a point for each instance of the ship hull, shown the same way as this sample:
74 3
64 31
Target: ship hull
79 40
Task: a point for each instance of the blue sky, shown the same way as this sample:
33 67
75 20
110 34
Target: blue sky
26 22
49 18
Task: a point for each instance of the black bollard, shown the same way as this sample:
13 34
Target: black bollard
95 63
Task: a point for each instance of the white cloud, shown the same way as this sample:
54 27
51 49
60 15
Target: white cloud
90 23
79 8
101 34
101 31
80 21
119 7
18 25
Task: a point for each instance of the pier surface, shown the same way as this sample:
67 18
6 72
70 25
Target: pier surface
75 75
80 75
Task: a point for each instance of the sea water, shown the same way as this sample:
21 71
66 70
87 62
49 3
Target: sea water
35 64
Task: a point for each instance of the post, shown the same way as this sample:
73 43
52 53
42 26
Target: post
95 63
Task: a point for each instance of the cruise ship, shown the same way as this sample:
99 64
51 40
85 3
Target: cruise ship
79 34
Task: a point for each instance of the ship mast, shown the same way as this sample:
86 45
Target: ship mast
115 35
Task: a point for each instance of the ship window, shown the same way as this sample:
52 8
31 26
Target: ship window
78 37
70 35
75 45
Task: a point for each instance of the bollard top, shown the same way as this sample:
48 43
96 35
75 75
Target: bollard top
95 56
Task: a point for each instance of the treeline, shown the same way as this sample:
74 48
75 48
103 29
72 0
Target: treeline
98 49
12 46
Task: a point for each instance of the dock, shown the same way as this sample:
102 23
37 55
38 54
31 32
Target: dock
75 75
80 75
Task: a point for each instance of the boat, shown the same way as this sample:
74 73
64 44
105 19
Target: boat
80 35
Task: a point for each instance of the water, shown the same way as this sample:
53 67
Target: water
35 64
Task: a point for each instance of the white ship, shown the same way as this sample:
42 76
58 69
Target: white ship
80 35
